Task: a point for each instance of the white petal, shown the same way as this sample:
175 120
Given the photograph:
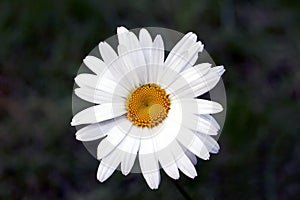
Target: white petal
172 89
94 96
204 106
191 121
104 172
166 134
168 163
145 38
134 56
211 119
126 57
203 84
191 156
87 80
209 81
191 57
163 134
156 59
123 36
151 174
172 170
189 77
182 161
190 141
114 138
146 43
147 144
194 73
161 141
137 54
202 68
142 74
158 51
131 43
100 83
95 131
107 53
108 165
129 146
95 64
122 29
148 161
186 166
183 45
162 75
127 163
220 70
98 113
206 127
152 179
116 65
121 69
130 51
178 62
194 50
210 143
123 55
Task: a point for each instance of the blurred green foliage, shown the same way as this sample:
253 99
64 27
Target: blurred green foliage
43 44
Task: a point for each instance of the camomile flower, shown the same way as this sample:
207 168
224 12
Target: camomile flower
146 109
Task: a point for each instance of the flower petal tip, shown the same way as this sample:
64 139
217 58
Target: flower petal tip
176 176
158 37
207 157
100 155
122 29
79 138
125 173
201 48
219 108
73 123
100 179
220 70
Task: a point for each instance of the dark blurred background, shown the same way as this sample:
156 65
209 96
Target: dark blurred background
43 44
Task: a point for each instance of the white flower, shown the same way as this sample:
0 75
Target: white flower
146 106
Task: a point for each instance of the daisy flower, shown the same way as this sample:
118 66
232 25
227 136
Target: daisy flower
146 108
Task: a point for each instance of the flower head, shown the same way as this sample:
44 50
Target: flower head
146 106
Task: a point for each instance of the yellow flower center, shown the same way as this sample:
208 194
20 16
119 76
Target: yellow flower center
147 105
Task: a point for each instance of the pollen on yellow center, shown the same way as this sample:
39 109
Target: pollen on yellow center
147 105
